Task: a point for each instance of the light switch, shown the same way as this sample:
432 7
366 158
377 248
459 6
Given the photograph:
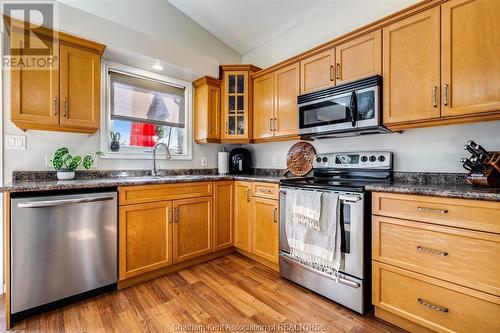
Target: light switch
15 142
204 162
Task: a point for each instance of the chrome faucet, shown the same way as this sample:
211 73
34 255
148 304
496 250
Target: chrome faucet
154 172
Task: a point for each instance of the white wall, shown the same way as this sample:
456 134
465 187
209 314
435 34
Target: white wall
434 149
337 19
186 52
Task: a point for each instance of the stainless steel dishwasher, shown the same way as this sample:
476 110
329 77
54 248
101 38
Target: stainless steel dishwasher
61 246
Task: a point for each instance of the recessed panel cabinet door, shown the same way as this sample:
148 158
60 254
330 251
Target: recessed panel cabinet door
412 68
223 212
34 92
470 56
265 229
317 72
145 238
286 120
192 228
263 106
242 215
359 58
79 87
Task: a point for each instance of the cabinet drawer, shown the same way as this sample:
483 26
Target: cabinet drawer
151 193
432 303
265 190
469 214
469 258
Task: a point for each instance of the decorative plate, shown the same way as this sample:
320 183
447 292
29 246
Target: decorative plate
300 158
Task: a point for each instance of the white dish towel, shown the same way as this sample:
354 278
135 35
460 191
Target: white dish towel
317 248
305 207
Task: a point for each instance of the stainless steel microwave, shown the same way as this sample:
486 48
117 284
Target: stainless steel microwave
345 110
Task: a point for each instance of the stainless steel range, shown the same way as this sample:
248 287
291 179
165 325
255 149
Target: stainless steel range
345 174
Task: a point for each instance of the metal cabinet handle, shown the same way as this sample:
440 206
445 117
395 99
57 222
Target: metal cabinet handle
432 210
432 251
331 72
177 214
337 76
52 203
171 213
265 190
431 306
275 215
65 107
275 124
248 195
270 124
434 96
227 128
55 106
445 94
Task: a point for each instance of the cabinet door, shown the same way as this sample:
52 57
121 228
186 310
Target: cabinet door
316 72
236 105
206 110
358 58
263 106
34 92
223 215
412 68
145 238
242 215
265 229
470 56
192 228
80 89
286 120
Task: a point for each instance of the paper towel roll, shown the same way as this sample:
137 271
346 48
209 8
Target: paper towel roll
223 162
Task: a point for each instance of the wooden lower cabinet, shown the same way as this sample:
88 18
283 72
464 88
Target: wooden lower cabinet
192 228
223 214
265 229
145 238
242 215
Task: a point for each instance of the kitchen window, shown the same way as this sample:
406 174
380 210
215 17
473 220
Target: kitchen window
141 109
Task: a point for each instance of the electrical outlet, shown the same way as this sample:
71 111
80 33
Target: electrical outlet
274 162
48 161
15 142
204 162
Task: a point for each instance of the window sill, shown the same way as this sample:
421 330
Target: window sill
142 156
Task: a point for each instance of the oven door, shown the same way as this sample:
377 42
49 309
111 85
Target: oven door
326 115
351 226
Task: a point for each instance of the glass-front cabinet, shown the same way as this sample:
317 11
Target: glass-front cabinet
237 103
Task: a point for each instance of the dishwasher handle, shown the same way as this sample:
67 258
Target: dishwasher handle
53 203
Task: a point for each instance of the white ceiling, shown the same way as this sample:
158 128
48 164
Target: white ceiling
247 24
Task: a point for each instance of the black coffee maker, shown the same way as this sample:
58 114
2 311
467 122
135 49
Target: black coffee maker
240 161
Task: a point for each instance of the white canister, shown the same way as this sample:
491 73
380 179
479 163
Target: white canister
223 163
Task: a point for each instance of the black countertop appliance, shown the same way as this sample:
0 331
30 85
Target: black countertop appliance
240 161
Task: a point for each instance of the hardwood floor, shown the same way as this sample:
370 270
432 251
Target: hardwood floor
231 290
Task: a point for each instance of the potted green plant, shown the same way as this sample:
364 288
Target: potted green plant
66 164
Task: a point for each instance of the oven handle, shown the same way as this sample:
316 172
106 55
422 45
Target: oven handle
339 279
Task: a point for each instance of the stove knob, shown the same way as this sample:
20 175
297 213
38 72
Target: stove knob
364 158
325 159
381 158
373 158
318 159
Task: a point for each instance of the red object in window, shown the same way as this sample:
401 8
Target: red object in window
141 135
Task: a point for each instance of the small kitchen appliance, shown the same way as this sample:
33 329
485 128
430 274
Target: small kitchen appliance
345 174
240 161
345 110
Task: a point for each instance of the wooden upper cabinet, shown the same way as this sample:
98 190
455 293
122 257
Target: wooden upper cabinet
223 214
207 108
264 106
286 122
359 58
265 229
34 92
145 238
317 71
80 87
192 228
470 56
242 215
411 68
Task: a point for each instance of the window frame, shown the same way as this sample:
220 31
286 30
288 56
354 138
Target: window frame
141 153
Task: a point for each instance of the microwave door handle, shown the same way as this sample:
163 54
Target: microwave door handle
353 108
